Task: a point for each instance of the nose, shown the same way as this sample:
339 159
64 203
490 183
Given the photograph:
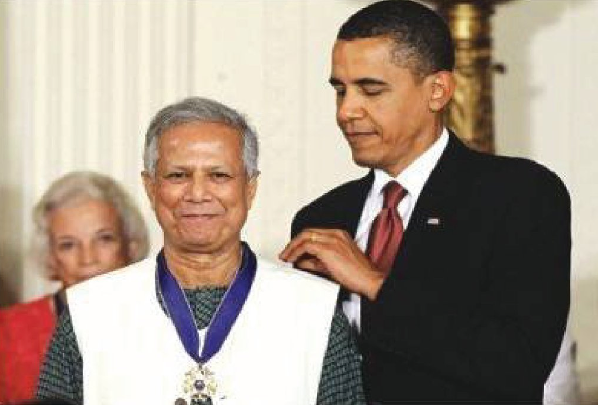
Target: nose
197 189
349 108
88 254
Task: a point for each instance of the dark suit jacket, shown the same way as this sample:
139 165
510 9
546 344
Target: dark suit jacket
475 307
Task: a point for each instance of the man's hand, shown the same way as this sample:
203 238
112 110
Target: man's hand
334 253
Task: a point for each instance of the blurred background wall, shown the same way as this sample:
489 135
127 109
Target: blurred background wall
81 79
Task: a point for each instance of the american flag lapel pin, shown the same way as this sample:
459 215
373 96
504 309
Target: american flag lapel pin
433 221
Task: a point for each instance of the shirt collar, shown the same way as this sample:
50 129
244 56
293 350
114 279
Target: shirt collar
414 176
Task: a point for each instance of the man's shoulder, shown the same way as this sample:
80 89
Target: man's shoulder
491 167
519 175
283 274
333 208
280 290
343 191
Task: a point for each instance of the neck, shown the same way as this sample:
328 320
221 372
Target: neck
416 149
194 270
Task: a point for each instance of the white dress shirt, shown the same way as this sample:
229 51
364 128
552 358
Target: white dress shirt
411 179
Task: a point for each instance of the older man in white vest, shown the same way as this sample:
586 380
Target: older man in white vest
205 321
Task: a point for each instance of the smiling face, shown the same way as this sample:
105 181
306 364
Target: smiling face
388 115
86 239
201 193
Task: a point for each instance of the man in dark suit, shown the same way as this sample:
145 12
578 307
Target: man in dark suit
472 304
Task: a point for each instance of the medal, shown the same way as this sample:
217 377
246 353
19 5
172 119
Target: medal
199 387
199 383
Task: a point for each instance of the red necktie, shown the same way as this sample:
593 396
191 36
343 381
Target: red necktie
387 229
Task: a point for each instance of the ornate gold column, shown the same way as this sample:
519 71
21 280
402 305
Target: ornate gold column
471 112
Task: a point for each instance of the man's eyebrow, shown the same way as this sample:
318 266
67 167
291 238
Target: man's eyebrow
335 82
366 81
178 166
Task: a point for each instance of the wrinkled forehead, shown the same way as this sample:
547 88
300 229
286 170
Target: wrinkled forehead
194 142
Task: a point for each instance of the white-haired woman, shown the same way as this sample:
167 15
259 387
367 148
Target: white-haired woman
85 225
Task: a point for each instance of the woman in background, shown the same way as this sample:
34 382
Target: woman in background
85 225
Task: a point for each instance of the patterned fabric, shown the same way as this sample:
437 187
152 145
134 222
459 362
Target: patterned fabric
25 331
340 383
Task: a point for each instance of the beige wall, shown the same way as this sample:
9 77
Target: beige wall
81 80
85 78
545 110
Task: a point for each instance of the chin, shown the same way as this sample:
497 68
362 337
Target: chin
201 245
363 160
198 242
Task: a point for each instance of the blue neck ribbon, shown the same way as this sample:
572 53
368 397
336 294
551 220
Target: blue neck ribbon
179 311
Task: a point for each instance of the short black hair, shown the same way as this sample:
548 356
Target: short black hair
422 38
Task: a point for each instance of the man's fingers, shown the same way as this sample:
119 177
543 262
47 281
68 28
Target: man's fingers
310 263
303 243
292 251
299 249
287 252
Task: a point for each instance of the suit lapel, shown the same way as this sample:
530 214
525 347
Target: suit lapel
442 196
437 203
354 201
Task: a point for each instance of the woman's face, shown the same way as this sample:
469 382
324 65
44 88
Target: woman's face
86 239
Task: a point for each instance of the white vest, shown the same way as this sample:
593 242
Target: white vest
132 354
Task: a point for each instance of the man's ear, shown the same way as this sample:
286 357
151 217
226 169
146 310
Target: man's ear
251 190
149 184
443 87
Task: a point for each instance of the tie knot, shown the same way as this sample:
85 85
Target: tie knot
393 194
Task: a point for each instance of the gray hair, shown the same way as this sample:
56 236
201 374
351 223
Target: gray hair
197 109
81 186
